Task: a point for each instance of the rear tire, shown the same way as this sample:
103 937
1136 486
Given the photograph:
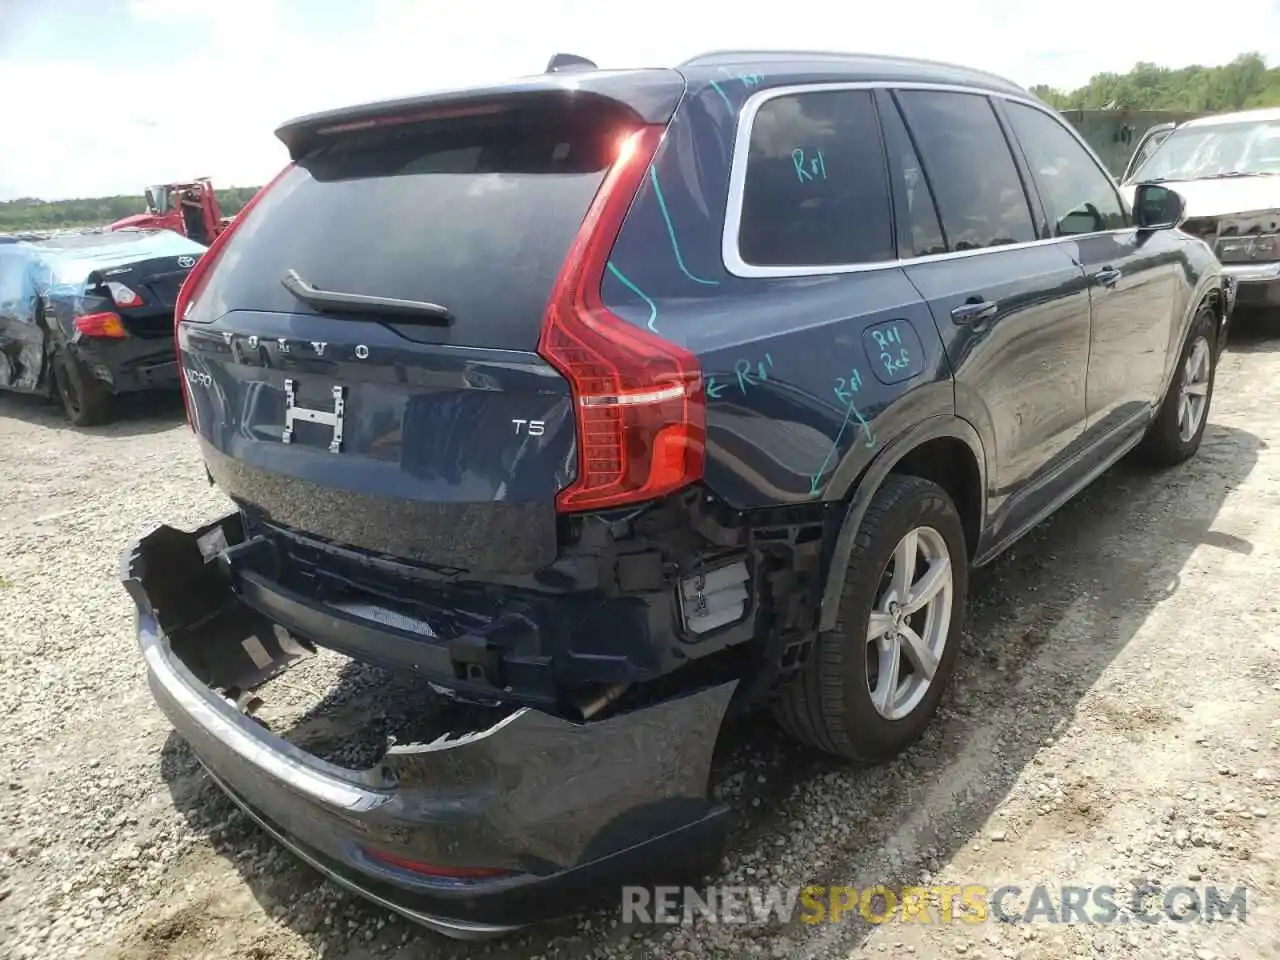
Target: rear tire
1175 434
85 400
871 686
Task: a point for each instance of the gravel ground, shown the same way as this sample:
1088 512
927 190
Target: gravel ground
1115 720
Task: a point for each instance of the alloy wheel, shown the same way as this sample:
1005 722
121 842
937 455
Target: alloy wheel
909 623
1193 395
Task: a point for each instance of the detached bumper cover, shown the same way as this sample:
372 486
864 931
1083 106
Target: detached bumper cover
571 811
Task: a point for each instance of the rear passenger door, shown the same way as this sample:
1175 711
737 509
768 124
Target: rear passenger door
1133 278
1013 313
825 349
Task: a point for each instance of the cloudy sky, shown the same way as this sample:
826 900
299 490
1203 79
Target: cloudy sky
103 96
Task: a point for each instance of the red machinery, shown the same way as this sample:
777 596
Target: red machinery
190 209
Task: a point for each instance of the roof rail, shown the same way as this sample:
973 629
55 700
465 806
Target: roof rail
568 61
728 56
710 56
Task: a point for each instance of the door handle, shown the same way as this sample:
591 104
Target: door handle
973 310
1107 276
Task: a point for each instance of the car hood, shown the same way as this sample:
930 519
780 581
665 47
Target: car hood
1213 198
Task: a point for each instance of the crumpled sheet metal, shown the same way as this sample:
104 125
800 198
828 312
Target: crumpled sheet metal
18 288
21 341
59 272
63 271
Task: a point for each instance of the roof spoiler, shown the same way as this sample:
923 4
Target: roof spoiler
650 94
568 61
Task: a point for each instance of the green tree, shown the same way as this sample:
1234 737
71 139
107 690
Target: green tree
29 213
1244 82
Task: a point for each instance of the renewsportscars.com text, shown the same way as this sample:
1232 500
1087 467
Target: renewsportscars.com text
970 903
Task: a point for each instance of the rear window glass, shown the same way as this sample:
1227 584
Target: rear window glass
474 213
816 192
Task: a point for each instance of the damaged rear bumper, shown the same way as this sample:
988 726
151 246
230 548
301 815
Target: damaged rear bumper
130 364
518 820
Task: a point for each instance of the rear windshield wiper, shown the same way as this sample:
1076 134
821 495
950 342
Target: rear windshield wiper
339 302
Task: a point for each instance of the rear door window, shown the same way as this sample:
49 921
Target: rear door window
916 216
1079 195
475 213
979 193
816 191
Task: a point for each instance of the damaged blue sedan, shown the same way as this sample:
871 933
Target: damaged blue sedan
87 317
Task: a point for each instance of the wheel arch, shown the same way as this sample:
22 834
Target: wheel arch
1218 300
1208 291
932 449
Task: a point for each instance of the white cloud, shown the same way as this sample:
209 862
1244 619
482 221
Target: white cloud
240 27
85 127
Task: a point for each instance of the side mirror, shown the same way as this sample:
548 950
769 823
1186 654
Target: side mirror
1084 219
1156 207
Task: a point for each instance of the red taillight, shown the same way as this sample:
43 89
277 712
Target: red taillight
200 273
100 325
434 869
637 399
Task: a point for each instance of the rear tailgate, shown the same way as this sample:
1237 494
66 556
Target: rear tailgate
440 437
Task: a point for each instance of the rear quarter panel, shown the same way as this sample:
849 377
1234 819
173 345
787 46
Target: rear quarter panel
806 379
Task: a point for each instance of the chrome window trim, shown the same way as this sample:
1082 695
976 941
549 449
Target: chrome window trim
729 251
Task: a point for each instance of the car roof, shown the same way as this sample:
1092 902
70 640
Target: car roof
1262 115
649 91
79 241
111 244
837 66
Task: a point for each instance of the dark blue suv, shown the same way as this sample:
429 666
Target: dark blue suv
609 402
